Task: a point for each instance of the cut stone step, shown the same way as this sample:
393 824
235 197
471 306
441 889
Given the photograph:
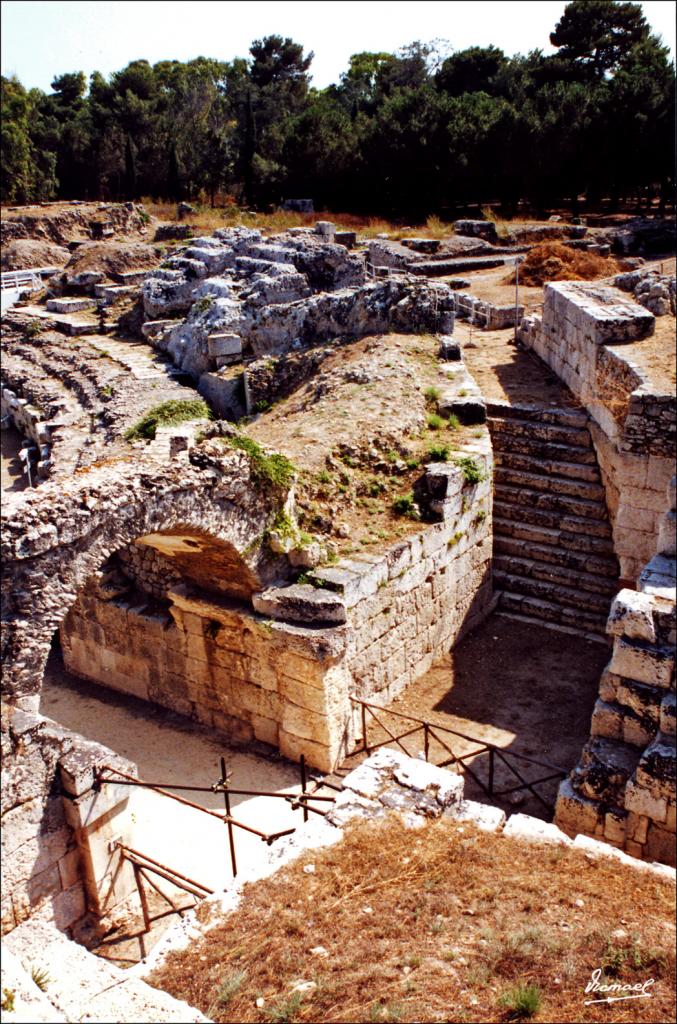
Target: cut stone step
530 464
550 482
573 514
539 499
556 627
555 593
539 414
530 568
550 432
579 561
541 450
546 611
510 521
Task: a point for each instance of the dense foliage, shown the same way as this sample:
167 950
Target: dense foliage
410 133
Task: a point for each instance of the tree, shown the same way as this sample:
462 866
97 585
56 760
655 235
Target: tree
599 34
473 70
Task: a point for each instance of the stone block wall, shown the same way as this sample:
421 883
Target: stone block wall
30 422
486 314
580 336
624 789
283 672
49 844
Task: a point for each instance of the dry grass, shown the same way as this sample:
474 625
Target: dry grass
437 925
553 261
205 218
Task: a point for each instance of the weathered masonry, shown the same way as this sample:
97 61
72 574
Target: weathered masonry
158 592
623 789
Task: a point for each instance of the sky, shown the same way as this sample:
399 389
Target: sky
45 38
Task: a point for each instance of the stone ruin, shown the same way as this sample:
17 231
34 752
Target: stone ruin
168 575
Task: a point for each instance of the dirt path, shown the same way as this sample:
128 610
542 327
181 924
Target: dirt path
525 688
506 372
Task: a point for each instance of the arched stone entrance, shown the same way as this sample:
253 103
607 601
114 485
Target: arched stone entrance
60 537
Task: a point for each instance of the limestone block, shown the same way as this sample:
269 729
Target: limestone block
654 665
631 615
607 720
660 845
318 755
636 827
483 816
524 827
301 602
640 800
265 729
615 826
667 534
667 714
574 813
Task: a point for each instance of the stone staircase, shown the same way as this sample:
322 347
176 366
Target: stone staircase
554 559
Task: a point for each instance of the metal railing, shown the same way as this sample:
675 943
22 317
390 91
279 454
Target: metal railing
297 801
496 757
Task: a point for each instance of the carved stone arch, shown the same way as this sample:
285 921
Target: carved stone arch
55 541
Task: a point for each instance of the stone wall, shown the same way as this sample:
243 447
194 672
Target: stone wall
282 672
56 863
623 789
581 336
29 421
486 314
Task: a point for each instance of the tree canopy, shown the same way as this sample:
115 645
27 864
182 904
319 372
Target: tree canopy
404 134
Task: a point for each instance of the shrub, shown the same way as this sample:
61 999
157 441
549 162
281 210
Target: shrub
229 986
404 506
166 415
262 405
438 453
453 422
522 1001
275 470
432 394
472 474
435 422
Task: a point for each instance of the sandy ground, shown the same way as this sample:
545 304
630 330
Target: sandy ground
170 749
12 475
506 372
528 689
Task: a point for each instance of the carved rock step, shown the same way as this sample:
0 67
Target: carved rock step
562 417
550 432
557 627
578 561
556 593
511 521
551 511
542 450
550 482
547 502
531 568
569 470
537 609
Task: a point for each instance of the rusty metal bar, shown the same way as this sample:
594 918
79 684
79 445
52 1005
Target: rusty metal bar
158 864
229 820
534 782
365 743
455 732
303 786
491 771
395 739
426 740
147 923
525 784
189 803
